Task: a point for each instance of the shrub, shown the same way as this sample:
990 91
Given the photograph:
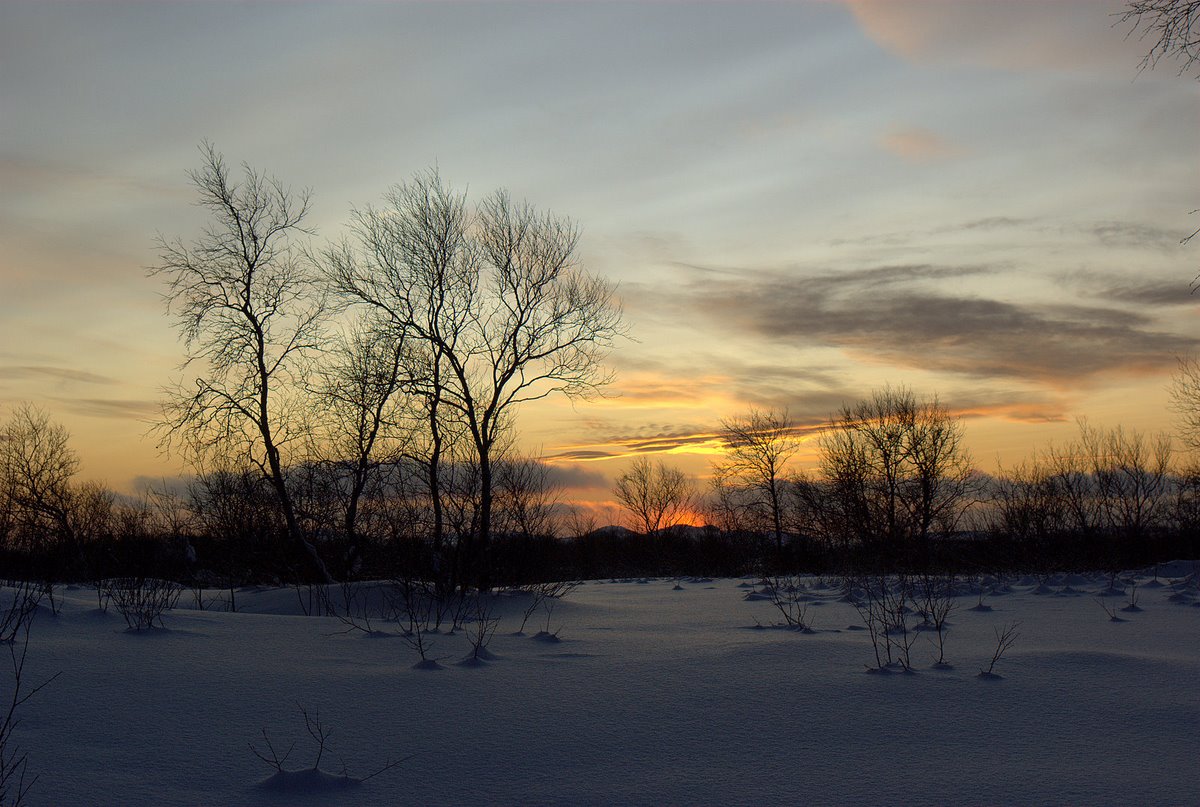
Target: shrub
142 600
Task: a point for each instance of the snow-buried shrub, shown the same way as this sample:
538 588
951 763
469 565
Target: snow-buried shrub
314 779
142 600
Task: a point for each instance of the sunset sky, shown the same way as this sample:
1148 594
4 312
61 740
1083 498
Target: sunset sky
799 201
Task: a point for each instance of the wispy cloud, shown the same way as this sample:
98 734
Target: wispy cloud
993 223
892 314
808 423
109 407
1133 234
43 176
20 371
1164 293
650 439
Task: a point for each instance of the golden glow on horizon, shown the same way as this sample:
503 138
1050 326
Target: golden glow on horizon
767 257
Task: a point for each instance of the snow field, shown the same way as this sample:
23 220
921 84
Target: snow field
654 695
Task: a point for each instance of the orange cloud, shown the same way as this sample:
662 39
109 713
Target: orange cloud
917 144
1014 35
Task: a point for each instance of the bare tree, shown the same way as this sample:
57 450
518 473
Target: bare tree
320 735
37 466
1107 482
1172 26
1185 400
238 506
360 424
249 310
579 521
1132 474
526 497
494 297
895 469
1025 504
656 496
758 446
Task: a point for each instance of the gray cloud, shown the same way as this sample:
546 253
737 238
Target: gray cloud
583 454
110 407
1163 293
994 223
34 175
61 373
887 314
576 477
1119 233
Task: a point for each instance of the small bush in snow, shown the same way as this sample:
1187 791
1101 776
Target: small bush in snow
17 607
785 593
883 605
416 607
1005 638
142 600
935 596
1111 610
481 629
544 595
313 777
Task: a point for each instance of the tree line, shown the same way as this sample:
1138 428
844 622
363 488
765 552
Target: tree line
895 488
348 409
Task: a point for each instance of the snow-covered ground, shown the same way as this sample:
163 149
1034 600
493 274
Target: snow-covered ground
654 695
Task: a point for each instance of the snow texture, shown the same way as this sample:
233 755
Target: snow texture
652 696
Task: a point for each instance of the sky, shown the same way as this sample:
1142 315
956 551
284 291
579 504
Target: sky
800 202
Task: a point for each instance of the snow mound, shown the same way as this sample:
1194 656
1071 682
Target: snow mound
1174 569
427 664
311 781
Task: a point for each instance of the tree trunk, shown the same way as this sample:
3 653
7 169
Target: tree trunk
303 545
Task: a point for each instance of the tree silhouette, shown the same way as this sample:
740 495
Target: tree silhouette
250 311
758 446
658 497
495 306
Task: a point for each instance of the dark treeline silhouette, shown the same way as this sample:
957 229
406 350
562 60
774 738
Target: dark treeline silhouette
894 490
1108 500
348 412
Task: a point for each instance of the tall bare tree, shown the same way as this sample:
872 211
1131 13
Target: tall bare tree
494 295
657 496
527 496
37 466
249 309
361 423
895 468
1132 474
758 446
1185 400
